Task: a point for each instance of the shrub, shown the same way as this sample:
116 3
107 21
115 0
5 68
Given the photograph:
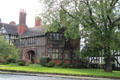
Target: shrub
93 65
13 64
113 66
44 61
1 61
67 65
21 63
29 63
50 64
61 63
10 60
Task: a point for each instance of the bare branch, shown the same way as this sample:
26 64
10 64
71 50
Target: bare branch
113 2
67 12
91 16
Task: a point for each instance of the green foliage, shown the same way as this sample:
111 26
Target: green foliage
7 50
61 63
10 60
21 63
67 66
44 61
99 22
53 27
50 64
57 19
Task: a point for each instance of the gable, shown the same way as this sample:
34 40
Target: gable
8 29
3 30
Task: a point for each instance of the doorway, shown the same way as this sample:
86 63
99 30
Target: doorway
31 56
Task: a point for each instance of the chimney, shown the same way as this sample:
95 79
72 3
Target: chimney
12 23
0 20
22 18
22 22
37 21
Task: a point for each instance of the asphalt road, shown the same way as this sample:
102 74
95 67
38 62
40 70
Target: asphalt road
29 76
26 77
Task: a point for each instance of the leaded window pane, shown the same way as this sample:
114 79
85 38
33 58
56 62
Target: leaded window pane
56 56
53 56
57 36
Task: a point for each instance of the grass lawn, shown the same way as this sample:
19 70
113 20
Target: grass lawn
70 71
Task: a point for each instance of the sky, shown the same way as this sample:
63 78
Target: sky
9 10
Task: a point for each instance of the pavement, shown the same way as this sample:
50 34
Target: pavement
56 75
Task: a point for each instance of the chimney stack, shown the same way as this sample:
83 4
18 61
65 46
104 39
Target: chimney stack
37 21
0 20
22 18
22 22
12 23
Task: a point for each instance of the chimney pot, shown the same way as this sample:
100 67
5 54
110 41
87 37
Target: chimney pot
0 21
12 23
37 21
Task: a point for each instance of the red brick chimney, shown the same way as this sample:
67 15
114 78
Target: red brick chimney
37 21
22 22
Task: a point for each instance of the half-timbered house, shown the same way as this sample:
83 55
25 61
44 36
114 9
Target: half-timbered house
35 43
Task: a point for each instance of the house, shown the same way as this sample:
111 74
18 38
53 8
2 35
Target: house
10 32
35 43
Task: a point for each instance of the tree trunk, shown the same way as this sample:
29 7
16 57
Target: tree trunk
108 64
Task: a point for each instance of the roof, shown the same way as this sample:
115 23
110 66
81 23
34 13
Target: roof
11 29
35 31
30 32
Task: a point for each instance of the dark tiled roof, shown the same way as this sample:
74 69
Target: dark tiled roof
35 31
30 32
11 29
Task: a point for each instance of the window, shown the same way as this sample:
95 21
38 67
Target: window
50 36
21 41
55 53
60 50
61 36
55 36
54 56
3 31
48 52
31 41
66 56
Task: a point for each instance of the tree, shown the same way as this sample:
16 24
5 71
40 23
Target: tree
100 21
58 20
7 50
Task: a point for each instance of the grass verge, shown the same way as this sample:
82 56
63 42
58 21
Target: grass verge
66 71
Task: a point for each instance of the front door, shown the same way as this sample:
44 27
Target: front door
31 56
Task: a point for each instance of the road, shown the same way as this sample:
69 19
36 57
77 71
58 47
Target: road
26 77
29 76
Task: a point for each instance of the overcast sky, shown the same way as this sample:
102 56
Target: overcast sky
9 10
